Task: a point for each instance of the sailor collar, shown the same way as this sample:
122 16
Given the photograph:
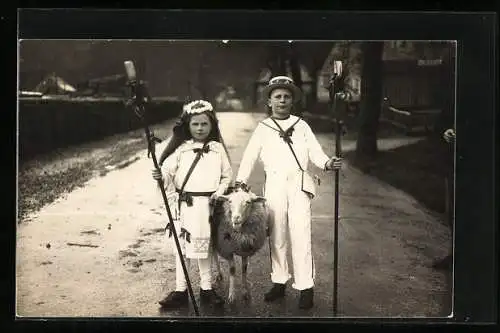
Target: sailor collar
268 122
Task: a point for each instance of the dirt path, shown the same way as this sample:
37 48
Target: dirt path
116 219
99 250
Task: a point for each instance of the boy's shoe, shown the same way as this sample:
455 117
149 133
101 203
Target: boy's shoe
210 297
306 299
175 300
276 292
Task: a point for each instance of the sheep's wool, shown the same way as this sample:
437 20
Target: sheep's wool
245 242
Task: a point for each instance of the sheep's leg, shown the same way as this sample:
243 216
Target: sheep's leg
218 277
244 281
216 261
232 271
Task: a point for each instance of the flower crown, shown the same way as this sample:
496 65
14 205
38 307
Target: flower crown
198 106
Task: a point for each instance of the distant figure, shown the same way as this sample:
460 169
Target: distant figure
227 100
449 135
447 262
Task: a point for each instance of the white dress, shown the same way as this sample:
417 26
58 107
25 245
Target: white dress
212 174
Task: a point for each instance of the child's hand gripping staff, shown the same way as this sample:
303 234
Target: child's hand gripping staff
138 100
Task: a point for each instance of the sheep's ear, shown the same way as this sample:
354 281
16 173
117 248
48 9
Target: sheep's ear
222 198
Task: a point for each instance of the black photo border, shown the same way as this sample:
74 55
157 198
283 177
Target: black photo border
476 249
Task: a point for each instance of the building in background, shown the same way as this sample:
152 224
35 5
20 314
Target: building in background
418 80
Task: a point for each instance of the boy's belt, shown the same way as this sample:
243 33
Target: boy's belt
188 196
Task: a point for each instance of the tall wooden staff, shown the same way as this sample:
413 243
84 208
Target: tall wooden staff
138 100
336 94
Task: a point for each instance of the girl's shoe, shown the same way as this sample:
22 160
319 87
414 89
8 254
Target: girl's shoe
175 300
210 297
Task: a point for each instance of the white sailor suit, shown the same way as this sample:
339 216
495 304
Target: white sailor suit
290 205
212 174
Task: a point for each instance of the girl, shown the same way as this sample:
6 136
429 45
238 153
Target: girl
197 132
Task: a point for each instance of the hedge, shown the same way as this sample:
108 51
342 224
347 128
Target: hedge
48 124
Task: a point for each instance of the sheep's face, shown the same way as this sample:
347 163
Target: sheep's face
240 203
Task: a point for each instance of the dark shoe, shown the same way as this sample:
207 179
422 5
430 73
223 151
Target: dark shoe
175 300
306 299
444 264
210 297
276 292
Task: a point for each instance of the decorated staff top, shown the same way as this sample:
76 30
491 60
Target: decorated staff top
130 70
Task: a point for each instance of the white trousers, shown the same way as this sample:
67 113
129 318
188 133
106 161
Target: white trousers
292 217
205 273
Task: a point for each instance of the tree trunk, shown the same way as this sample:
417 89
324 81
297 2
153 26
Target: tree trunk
295 67
314 88
276 60
371 99
353 70
296 76
202 82
313 56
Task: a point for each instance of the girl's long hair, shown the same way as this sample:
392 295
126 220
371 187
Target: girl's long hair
181 133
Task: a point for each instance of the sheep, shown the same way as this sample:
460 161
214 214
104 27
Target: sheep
241 222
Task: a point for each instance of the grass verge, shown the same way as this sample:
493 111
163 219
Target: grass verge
418 169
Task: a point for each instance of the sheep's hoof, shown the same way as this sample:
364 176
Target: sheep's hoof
231 299
217 281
